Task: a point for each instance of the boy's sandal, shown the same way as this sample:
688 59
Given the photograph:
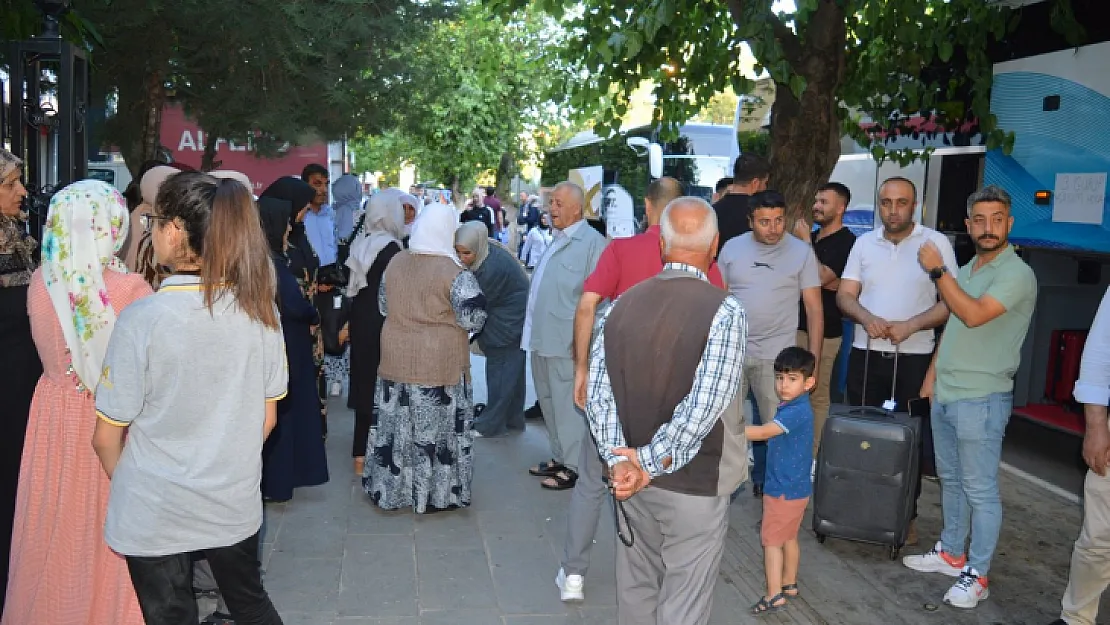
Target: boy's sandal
763 606
548 468
562 480
790 591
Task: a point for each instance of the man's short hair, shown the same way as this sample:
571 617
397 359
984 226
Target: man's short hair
750 167
913 187
989 193
313 168
663 191
723 184
576 191
491 191
795 359
766 199
844 192
699 240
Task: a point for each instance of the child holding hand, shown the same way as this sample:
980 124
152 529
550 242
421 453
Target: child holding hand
787 487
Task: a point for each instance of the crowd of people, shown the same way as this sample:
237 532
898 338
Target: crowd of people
187 296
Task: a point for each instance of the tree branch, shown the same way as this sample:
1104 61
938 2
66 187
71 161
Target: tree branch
787 38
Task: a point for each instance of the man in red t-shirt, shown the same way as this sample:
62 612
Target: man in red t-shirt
624 264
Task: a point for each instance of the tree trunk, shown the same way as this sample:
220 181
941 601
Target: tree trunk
505 170
155 101
456 195
805 131
208 160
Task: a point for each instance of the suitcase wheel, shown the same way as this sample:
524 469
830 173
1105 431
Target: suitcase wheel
820 539
895 552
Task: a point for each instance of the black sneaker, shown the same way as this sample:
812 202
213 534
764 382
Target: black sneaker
757 490
534 412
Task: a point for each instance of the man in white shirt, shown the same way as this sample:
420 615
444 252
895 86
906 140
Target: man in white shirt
1090 562
895 306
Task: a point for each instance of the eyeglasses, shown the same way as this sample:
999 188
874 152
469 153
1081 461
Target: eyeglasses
146 220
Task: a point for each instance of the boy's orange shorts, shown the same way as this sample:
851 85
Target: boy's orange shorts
782 518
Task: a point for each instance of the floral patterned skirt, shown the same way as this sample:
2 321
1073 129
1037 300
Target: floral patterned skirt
419 452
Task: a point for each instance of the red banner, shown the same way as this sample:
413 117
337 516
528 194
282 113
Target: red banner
185 140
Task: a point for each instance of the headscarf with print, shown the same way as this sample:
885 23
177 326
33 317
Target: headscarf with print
85 229
16 246
384 224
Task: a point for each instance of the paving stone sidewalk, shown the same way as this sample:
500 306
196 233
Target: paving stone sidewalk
332 558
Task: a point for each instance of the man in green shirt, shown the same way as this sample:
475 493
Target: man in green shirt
971 382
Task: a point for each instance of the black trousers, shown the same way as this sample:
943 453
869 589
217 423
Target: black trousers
907 386
164 585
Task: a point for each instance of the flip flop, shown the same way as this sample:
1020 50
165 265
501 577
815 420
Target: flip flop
564 480
764 607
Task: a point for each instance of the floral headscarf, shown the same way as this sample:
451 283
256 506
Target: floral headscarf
85 229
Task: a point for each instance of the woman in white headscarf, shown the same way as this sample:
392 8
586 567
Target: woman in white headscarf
62 571
377 241
419 448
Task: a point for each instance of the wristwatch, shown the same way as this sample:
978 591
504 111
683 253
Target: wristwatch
936 272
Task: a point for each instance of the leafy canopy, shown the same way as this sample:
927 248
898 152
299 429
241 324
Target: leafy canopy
475 90
889 59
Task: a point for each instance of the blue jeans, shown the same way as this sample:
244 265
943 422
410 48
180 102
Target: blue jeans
967 435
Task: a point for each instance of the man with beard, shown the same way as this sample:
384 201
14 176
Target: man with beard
971 381
895 307
831 243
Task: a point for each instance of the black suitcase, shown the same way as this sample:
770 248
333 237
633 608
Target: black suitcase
866 475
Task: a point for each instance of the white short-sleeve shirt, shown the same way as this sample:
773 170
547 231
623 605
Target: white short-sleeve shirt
893 285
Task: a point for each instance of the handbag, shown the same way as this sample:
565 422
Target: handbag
334 311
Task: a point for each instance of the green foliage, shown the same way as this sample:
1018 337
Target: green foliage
268 70
612 154
474 91
754 142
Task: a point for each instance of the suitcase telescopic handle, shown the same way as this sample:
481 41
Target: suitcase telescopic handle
866 360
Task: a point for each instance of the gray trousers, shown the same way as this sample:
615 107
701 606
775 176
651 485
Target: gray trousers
667 576
566 424
587 500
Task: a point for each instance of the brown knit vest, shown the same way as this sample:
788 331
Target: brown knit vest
654 339
421 341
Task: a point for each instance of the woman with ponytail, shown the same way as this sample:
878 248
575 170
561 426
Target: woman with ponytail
191 379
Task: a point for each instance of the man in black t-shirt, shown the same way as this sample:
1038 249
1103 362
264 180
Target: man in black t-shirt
831 244
749 176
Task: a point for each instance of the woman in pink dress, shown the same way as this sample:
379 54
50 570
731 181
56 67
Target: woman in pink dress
62 572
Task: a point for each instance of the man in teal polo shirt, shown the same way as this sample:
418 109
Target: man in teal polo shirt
971 382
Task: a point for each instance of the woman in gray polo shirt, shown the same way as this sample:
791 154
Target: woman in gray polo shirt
192 377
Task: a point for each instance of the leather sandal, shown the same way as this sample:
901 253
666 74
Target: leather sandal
563 480
547 468
767 606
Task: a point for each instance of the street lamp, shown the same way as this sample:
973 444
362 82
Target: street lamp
52 143
643 146
52 10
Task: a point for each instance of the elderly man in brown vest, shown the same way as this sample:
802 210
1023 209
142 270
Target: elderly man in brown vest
664 368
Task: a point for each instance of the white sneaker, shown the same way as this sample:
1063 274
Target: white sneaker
936 561
336 389
968 591
571 587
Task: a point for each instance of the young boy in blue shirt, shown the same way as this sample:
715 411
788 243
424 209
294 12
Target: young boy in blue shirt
787 486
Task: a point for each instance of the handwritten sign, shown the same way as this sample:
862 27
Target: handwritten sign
1079 198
